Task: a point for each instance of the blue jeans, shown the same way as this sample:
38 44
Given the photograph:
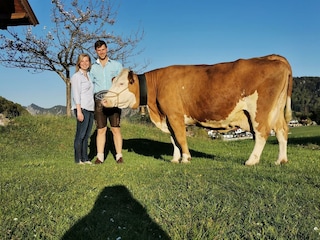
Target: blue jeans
83 132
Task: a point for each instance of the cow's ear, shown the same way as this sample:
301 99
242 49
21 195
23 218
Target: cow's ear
130 77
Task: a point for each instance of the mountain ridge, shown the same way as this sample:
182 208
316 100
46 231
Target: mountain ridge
34 109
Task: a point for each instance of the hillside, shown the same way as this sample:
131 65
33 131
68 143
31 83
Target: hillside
10 109
33 109
306 98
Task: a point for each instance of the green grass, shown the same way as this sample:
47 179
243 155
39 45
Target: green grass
44 195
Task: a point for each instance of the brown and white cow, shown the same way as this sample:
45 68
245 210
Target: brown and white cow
254 94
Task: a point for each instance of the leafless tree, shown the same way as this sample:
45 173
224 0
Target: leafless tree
76 25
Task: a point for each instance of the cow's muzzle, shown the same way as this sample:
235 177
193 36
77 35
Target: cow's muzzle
109 98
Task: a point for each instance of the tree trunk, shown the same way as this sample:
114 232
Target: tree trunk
68 95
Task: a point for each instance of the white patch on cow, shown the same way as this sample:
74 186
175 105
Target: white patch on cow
189 120
162 126
176 152
236 116
119 96
251 102
282 157
128 101
257 150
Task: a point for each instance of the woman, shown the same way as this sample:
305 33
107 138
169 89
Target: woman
82 90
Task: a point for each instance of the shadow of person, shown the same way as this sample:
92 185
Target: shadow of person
303 141
116 215
156 149
109 146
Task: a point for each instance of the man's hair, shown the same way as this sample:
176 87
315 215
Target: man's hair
99 43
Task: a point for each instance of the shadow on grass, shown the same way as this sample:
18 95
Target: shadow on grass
109 147
156 149
305 140
116 215
142 146
299 140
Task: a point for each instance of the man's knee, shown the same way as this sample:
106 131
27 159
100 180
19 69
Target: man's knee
115 130
101 131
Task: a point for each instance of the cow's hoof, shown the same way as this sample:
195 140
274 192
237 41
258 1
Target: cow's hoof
253 160
185 161
175 161
283 161
250 163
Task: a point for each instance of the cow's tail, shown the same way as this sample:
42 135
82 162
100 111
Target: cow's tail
288 111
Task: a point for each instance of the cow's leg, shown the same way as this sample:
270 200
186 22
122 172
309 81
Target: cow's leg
282 136
282 157
260 142
178 131
176 151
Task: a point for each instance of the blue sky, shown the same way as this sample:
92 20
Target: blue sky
191 32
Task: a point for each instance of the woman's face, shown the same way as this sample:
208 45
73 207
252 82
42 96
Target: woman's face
84 63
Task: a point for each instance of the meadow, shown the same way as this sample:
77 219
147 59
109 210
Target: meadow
45 195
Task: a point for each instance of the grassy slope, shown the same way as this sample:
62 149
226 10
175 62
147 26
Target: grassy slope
44 195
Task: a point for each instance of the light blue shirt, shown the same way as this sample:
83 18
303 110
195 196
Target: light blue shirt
102 76
82 91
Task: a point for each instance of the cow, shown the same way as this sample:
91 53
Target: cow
253 94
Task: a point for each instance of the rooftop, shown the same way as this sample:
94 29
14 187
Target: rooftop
16 13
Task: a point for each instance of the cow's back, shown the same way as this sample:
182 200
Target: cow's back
211 92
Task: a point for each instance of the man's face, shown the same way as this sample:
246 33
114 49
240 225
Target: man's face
102 52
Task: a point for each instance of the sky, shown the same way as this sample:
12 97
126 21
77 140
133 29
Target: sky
190 32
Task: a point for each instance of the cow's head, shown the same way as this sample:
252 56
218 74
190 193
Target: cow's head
124 91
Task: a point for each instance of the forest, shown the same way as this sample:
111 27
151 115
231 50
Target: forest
306 99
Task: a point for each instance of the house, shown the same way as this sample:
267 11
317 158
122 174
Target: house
16 13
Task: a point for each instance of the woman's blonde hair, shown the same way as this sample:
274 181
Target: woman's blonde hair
82 56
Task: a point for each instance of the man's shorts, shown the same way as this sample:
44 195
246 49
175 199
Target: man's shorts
102 114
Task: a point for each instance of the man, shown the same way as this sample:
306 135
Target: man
102 72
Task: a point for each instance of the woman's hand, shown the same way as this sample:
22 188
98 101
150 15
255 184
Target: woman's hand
80 116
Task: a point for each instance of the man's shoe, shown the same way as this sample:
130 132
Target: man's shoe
88 162
120 160
98 161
